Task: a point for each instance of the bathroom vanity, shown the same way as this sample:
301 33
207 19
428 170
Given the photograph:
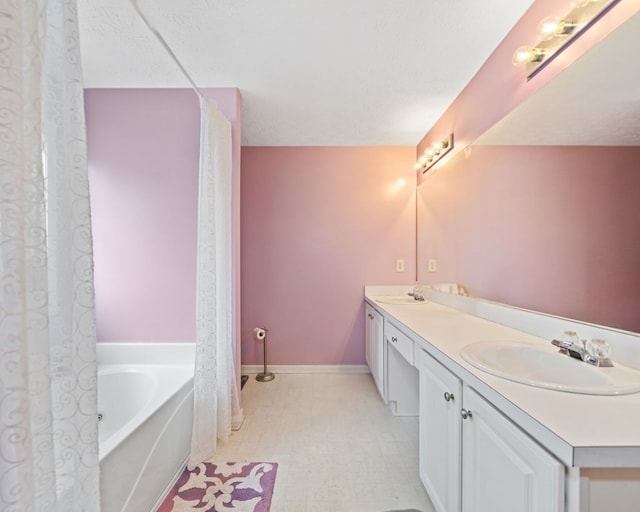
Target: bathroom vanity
492 444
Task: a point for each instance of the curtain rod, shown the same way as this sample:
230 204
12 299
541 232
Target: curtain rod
166 47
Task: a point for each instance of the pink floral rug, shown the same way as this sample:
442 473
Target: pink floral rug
228 486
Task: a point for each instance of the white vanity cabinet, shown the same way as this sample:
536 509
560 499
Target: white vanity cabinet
472 458
521 448
375 347
503 469
440 432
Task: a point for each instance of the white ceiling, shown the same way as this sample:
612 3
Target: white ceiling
594 102
311 72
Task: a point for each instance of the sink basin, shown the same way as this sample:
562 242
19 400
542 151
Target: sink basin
543 367
398 299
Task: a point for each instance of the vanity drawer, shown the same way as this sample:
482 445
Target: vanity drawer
400 341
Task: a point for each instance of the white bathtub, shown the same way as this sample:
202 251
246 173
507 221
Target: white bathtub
145 399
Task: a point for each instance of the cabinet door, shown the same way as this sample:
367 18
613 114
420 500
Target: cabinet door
378 347
503 470
440 433
368 325
374 347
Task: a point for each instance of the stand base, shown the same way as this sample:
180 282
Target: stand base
265 377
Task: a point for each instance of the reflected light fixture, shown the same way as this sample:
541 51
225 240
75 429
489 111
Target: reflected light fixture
554 33
434 153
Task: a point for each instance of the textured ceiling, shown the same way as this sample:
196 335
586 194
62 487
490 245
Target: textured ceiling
311 72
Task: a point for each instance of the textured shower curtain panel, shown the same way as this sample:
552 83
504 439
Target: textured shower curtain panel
48 416
216 398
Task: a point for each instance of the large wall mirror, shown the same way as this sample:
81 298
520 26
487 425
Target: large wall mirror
543 210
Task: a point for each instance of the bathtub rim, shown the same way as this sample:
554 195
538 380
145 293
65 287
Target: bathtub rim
146 352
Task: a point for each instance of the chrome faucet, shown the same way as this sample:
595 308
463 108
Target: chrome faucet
595 352
417 293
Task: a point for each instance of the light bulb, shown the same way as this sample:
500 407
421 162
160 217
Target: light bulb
526 54
521 55
423 159
547 28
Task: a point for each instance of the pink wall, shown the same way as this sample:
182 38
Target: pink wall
143 149
553 229
317 225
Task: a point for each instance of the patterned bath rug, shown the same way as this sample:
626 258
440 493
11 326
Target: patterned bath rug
223 487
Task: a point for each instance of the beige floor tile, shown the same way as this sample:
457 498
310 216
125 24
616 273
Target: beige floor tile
338 447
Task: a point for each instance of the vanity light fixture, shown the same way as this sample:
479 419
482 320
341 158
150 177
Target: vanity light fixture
555 33
434 153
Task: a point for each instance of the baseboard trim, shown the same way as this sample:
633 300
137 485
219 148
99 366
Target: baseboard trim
237 421
307 368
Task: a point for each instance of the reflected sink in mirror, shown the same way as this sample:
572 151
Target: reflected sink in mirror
544 367
398 299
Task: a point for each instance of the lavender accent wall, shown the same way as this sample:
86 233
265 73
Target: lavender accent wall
553 229
317 225
143 150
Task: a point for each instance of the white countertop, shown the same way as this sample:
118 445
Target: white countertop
580 430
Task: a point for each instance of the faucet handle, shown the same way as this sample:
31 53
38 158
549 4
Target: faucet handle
570 339
598 348
598 352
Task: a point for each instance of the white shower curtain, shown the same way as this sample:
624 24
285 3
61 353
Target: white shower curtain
216 397
48 416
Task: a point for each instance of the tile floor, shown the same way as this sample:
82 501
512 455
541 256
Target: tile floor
338 447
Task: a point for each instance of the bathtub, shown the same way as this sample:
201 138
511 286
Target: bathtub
145 407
